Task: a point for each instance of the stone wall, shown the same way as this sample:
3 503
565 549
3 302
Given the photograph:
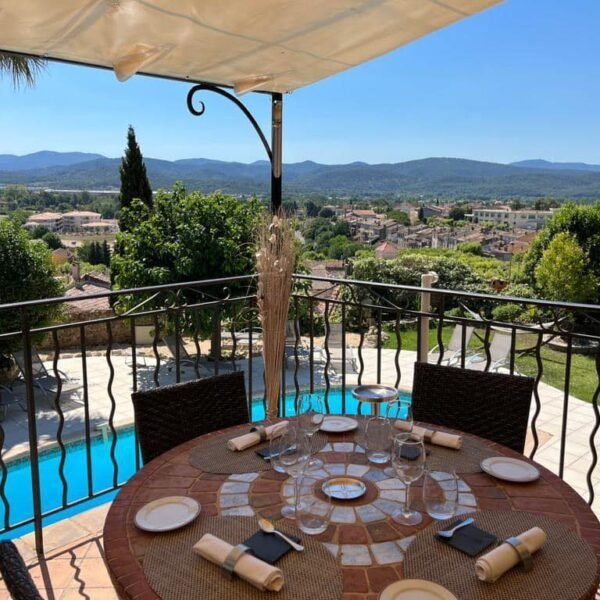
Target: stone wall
96 334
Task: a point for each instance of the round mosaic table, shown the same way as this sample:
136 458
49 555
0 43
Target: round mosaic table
368 545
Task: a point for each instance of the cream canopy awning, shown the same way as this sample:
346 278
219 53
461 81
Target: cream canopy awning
271 45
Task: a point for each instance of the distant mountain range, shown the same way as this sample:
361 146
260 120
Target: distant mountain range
429 176
556 166
45 158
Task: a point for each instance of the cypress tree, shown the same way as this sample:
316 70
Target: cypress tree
106 253
95 254
134 180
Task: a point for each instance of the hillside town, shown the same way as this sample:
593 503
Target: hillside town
501 231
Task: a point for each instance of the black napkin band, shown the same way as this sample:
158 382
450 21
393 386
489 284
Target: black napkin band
262 432
523 552
232 558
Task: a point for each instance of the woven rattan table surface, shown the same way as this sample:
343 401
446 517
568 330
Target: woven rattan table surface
368 546
563 568
213 456
178 574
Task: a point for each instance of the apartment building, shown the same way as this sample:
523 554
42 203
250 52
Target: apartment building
522 219
51 220
74 220
100 227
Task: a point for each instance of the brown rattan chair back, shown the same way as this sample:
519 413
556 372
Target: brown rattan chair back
491 405
16 577
171 415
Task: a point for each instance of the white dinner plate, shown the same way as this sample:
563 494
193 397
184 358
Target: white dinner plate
166 514
510 469
416 589
339 424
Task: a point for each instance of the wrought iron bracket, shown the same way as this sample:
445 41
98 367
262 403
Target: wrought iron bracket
273 151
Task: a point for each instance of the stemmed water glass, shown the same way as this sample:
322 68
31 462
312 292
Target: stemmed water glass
291 453
399 411
408 460
311 412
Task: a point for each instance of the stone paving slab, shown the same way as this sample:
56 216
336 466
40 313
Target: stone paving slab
74 566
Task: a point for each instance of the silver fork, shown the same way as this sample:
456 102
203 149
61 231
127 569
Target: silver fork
448 533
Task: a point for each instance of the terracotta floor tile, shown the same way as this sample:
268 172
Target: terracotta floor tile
94 594
56 573
94 573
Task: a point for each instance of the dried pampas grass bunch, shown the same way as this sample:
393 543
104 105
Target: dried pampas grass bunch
275 262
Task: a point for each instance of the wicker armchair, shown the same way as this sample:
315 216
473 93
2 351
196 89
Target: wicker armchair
491 405
15 574
171 415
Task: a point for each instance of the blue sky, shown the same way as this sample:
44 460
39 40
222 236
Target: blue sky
519 81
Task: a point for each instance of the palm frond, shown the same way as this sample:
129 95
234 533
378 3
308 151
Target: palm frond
22 70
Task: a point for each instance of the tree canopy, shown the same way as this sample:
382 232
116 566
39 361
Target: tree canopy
185 238
470 248
457 213
26 273
563 272
328 238
582 222
95 253
407 270
312 209
52 240
399 215
326 212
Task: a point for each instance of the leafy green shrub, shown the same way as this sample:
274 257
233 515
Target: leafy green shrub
26 273
470 248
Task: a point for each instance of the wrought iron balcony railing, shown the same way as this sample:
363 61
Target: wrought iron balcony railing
67 436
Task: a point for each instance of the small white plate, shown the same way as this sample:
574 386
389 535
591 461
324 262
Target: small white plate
166 514
339 424
416 589
510 469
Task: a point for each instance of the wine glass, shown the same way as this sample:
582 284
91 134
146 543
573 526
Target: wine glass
294 453
378 440
440 493
400 414
408 460
311 412
312 513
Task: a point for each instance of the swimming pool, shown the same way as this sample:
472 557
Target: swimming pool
18 487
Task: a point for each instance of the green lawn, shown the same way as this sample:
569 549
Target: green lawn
584 379
409 338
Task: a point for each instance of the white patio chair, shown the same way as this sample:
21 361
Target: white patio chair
453 350
334 345
499 353
41 379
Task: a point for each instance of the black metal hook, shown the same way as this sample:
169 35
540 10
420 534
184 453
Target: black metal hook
209 87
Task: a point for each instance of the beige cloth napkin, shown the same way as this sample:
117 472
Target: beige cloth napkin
250 439
495 563
439 438
253 570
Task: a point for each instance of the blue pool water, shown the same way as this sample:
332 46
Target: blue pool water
18 488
